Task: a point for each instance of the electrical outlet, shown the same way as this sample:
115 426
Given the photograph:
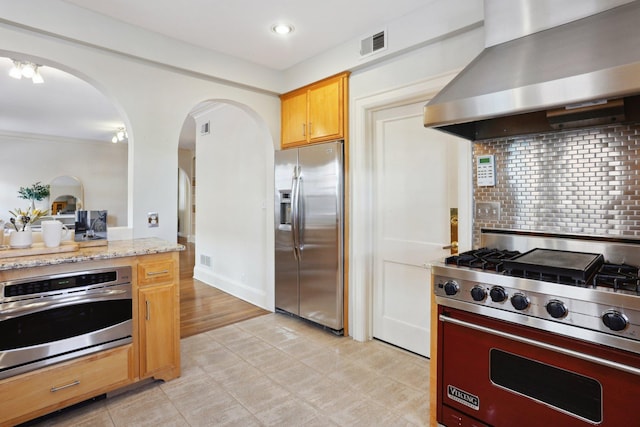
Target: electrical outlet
152 219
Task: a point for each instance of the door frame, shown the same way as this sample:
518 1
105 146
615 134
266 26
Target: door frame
361 267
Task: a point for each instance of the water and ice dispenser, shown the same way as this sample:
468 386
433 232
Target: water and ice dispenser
285 208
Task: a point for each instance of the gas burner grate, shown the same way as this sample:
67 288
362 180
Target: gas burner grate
548 277
483 258
618 276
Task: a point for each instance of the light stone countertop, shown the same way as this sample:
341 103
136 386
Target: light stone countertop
113 249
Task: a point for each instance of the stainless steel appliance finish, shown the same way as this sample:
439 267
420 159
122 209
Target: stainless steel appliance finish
527 300
589 60
309 233
49 319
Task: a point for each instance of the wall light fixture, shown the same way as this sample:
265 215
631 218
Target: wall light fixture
120 135
26 69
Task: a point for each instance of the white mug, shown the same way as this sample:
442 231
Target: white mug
53 232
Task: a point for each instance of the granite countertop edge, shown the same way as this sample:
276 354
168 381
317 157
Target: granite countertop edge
113 249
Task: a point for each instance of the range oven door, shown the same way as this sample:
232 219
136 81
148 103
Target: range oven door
503 374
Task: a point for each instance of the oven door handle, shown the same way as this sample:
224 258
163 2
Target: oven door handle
543 345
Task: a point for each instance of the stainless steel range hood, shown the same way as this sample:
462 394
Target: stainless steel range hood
524 85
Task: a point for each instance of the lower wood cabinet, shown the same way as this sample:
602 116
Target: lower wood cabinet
159 316
157 331
36 393
155 351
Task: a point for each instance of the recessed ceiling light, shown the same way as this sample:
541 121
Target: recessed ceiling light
282 29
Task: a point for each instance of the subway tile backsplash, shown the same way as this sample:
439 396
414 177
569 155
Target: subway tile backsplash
584 181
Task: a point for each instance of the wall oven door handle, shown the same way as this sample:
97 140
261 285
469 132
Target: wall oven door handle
22 308
543 345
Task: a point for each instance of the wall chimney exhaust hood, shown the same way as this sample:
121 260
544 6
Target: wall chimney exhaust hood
583 73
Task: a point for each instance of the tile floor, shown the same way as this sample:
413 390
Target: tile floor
273 370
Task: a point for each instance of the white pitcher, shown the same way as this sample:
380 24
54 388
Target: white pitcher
53 232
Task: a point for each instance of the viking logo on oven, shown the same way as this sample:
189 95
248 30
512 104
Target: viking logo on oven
463 397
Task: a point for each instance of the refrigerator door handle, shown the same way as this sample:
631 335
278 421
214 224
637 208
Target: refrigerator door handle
301 224
294 212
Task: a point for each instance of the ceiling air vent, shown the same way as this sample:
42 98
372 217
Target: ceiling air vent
373 43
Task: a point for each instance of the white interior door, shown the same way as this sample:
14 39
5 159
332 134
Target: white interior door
415 186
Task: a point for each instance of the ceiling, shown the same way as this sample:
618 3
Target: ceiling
242 28
68 107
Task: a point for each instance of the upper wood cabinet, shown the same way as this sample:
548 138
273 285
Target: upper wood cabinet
315 113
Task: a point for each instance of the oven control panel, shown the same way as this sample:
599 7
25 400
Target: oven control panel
61 284
527 300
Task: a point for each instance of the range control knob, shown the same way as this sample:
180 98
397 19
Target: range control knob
557 309
498 294
615 320
451 287
520 301
478 293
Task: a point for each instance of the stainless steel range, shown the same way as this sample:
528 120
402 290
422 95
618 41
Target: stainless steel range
537 326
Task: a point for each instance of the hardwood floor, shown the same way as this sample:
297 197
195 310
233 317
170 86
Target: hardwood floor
202 307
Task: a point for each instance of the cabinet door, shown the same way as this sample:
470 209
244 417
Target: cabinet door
157 329
325 111
294 118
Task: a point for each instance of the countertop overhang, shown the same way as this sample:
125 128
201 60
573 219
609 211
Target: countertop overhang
113 249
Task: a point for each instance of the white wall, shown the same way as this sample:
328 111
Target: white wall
101 167
437 20
154 103
185 202
234 213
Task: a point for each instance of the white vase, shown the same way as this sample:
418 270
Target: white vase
21 239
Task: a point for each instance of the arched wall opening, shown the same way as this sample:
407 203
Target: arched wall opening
234 153
62 127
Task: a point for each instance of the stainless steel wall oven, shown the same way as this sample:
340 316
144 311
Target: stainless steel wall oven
49 319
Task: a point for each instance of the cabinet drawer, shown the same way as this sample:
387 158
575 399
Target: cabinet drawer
52 388
156 272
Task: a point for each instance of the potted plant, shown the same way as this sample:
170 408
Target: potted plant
21 220
36 192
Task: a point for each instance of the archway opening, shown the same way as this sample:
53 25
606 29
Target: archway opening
61 127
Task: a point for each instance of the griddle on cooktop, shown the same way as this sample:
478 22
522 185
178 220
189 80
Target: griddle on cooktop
555 266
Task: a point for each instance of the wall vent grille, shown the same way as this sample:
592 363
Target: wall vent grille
205 260
373 43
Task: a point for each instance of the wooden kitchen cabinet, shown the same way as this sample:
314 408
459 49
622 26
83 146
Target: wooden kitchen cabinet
159 318
154 350
39 392
315 113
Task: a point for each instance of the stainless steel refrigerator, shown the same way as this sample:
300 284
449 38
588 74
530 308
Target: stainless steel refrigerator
309 206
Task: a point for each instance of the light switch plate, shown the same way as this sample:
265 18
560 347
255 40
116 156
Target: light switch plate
488 211
152 219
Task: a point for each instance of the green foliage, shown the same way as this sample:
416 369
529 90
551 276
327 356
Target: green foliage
36 192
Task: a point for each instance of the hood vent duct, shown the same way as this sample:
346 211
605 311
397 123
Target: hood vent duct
584 73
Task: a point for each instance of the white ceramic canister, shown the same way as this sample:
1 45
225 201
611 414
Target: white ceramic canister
21 239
